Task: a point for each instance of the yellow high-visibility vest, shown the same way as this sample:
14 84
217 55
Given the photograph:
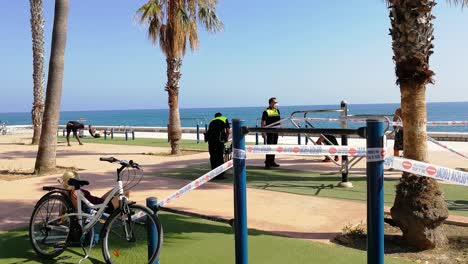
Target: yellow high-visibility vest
272 112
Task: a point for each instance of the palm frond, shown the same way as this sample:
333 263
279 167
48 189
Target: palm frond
209 19
463 3
151 14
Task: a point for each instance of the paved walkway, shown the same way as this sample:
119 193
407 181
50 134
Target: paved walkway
288 214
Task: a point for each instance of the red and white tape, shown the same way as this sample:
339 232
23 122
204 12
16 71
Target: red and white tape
306 150
428 170
197 183
363 120
446 147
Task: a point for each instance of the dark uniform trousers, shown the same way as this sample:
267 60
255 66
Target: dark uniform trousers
216 149
272 139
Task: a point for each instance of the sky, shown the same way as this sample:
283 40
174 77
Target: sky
303 52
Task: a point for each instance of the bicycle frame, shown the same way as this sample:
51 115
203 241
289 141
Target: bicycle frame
97 207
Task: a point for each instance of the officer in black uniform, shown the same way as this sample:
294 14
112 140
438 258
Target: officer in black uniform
217 134
74 126
270 116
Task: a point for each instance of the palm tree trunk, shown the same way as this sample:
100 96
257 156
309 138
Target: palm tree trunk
37 30
172 88
419 207
46 155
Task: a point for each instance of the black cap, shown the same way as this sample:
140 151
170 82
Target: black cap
218 114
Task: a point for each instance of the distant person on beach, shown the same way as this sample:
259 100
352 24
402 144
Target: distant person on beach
74 126
94 133
398 145
328 140
271 115
217 135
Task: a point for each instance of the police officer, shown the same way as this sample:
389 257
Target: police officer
270 116
218 134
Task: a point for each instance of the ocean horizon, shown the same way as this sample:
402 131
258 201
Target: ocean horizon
190 117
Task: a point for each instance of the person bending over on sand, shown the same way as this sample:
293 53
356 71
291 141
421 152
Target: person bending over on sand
74 126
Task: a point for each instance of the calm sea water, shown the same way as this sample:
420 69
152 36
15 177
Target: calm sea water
453 111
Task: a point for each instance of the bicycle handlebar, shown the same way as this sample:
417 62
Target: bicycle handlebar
111 159
124 163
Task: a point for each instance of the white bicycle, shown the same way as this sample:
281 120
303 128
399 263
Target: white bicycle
126 230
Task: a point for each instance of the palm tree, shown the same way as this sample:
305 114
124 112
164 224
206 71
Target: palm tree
419 208
37 30
46 155
173 23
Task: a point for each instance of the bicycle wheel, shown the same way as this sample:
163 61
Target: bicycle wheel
125 237
48 232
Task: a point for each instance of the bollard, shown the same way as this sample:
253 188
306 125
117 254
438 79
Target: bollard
63 131
198 134
306 137
240 193
105 134
345 183
133 134
126 135
256 136
375 198
152 203
112 133
298 138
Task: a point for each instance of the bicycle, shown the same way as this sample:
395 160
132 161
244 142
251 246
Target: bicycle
227 153
126 230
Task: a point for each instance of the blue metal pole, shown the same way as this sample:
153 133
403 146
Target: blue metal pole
298 138
240 191
112 133
152 203
198 134
133 134
126 135
375 198
105 134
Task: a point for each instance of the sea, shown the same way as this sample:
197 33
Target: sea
190 117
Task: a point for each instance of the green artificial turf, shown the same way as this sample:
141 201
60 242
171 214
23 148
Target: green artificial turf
186 144
195 241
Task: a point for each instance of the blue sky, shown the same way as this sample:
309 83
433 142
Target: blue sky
304 52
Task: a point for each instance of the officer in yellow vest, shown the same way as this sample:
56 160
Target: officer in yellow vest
217 134
270 116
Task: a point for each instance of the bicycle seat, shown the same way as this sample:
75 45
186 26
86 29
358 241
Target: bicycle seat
77 183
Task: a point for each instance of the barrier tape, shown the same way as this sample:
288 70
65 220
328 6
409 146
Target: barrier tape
446 147
307 150
372 155
238 154
428 170
197 183
361 120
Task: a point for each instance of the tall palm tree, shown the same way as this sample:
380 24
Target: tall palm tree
419 208
46 155
37 30
173 23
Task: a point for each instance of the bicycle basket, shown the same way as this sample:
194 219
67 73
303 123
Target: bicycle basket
131 177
